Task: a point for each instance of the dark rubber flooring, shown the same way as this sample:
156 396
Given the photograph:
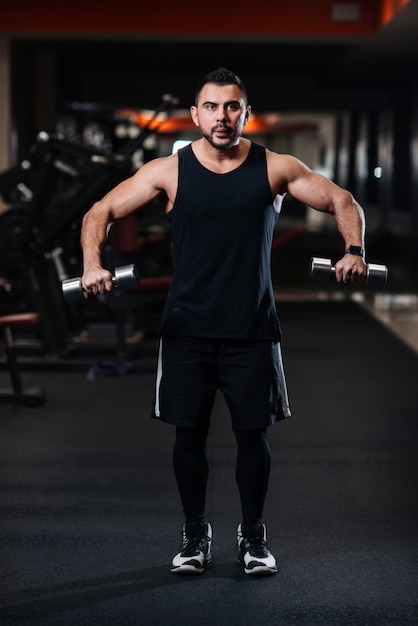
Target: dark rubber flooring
90 517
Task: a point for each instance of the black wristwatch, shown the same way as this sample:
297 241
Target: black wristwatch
357 250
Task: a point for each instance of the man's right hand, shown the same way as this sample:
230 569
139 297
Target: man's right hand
96 281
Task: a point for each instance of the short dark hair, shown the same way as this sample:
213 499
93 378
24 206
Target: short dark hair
221 76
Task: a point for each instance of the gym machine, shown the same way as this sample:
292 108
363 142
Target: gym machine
50 192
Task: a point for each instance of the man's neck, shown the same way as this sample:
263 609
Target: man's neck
221 160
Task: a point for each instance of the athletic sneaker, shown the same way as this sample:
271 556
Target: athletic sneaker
253 552
195 549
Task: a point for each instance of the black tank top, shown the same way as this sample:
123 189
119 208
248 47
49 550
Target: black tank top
222 228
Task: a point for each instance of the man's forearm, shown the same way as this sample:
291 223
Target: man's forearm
350 222
93 236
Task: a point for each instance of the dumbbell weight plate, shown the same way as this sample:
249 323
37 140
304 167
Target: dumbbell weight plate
126 276
321 269
377 275
72 291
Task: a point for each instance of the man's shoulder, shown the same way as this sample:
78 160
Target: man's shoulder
279 157
160 174
281 169
286 163
162 166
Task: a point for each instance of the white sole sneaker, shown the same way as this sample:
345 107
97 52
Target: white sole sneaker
254 554
195 554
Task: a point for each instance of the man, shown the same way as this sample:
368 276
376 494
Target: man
222 196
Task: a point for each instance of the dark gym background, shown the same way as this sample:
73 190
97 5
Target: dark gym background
89 513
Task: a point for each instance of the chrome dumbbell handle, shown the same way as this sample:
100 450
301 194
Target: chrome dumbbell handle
322 270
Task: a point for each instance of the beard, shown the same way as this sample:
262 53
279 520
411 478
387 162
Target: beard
228 142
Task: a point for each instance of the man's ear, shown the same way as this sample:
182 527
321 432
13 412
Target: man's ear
193 113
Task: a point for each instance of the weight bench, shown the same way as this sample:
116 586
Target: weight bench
28 397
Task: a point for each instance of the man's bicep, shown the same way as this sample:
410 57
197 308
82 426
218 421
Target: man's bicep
132 194
314 190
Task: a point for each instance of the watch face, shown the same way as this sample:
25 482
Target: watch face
355 250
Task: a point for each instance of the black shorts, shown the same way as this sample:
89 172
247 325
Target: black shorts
248 372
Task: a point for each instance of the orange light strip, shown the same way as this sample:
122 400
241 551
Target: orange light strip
390 8
181 122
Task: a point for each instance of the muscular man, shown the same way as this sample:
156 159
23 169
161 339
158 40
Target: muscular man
222 196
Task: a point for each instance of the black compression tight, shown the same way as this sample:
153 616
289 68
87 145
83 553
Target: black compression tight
191 469
252 474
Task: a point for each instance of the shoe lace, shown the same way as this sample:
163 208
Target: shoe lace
191 545
256 546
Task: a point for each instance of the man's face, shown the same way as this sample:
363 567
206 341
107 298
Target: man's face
221 114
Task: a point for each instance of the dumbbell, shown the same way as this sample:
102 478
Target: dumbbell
125 277
322 270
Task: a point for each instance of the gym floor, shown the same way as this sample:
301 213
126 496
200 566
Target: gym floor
90 517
